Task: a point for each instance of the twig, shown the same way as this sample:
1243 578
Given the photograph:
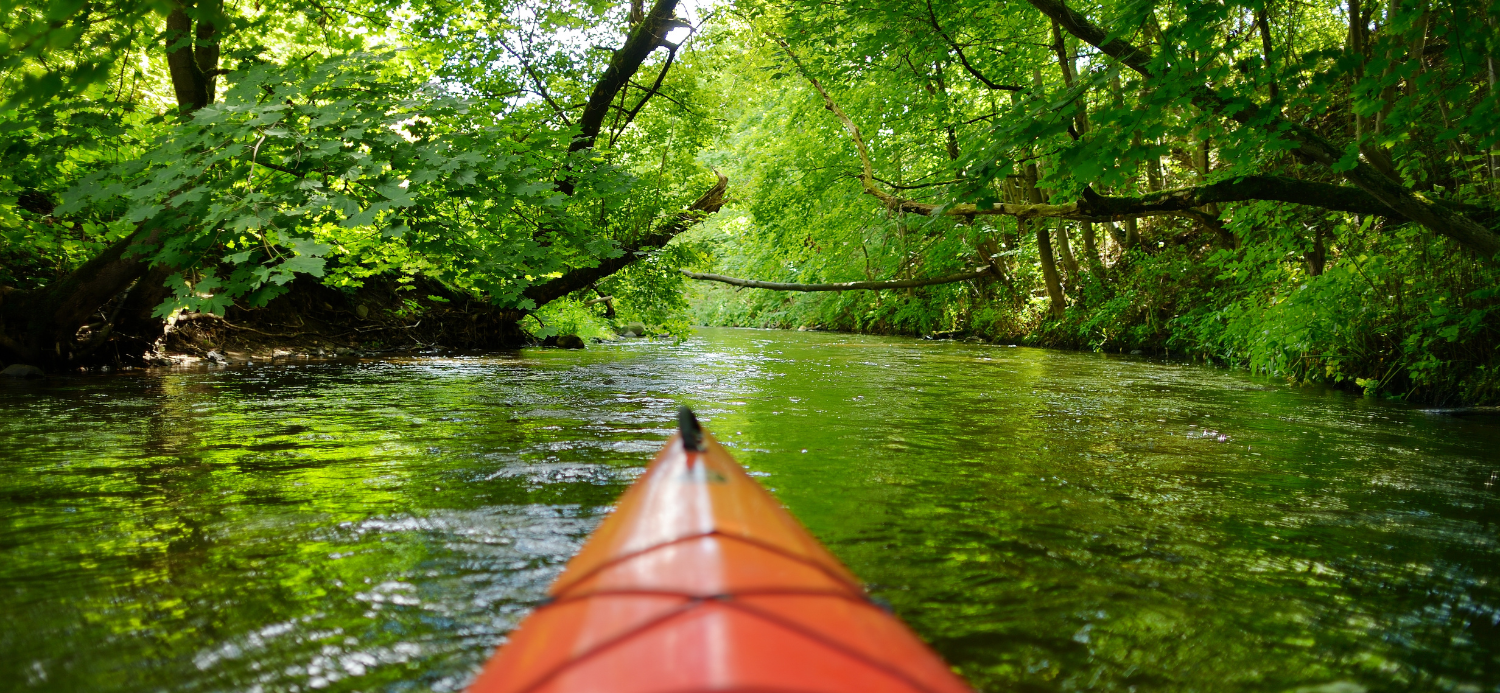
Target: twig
377 329
187 317
964 60
839 286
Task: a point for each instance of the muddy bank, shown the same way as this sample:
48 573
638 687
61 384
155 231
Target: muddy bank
312 319
386 316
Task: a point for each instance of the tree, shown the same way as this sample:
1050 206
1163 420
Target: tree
337 159
1215 142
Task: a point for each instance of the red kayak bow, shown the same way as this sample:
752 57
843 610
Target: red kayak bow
700 581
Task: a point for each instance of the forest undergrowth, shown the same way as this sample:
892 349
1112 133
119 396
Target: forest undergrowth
1403 316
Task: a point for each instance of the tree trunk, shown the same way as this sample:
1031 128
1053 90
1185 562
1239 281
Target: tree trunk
1069 70
1065 251
989 251
1494 152
1049 269
1091 250
1317 256
1356 47
42 327
1365 126
1119 237
193 54
1132 234
1263 23
1153 175
138 332
1043 245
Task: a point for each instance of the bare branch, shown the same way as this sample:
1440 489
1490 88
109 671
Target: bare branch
840 286
536 80
655 87
963 60
583 277
644 38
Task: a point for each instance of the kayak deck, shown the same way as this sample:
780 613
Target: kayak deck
701 581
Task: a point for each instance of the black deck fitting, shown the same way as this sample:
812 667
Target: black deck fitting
692 433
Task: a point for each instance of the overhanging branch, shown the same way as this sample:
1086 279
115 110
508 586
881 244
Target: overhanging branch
1184 201
583 277
1373 193
839 286
1100 208
644 38
1401 201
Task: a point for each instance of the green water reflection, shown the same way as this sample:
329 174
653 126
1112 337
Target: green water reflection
1048 521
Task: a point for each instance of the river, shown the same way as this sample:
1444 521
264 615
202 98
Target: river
1048 521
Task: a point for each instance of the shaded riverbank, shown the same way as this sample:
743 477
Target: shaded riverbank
1048 520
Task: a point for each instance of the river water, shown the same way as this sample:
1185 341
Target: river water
1048 521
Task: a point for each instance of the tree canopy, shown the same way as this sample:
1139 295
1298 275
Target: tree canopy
1306 188
496 148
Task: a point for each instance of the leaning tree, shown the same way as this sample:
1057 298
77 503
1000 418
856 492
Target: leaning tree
294 144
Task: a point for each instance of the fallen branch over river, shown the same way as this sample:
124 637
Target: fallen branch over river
840 286
1372 193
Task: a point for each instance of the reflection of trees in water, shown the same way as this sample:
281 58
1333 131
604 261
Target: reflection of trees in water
1062 520
1042 518
273 517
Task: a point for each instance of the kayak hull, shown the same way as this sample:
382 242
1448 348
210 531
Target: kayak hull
700 581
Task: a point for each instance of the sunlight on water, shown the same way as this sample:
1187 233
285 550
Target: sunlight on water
1047 520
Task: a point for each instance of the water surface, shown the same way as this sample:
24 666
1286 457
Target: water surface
1049 521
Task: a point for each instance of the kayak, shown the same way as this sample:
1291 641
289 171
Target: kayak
700 581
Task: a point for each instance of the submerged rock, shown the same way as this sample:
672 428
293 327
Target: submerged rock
570 341
21 370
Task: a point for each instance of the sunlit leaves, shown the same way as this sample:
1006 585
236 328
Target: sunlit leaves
266 169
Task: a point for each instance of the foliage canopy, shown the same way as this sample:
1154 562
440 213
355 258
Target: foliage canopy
1308 189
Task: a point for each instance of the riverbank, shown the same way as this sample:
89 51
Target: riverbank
1316 330
378 317
1387 328
311 321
